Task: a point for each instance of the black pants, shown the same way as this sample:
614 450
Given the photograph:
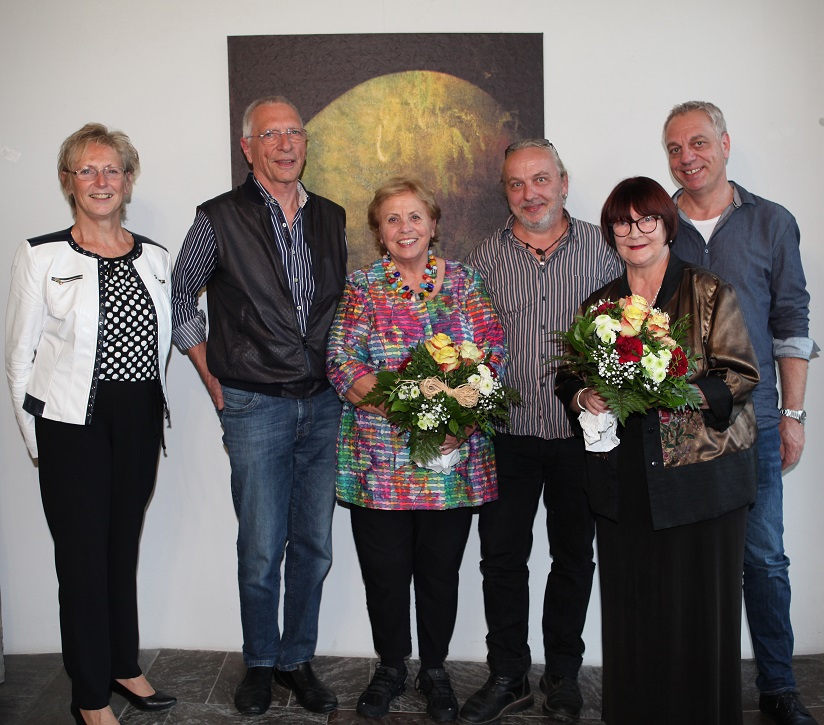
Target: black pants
528 466
95 482
395 547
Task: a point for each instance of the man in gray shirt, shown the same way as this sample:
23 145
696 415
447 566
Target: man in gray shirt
537 270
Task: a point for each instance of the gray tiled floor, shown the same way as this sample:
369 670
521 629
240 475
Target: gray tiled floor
37 691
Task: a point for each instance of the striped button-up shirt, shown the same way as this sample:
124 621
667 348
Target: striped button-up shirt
198 259
533 302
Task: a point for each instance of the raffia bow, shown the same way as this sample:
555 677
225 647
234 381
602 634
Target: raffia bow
465 394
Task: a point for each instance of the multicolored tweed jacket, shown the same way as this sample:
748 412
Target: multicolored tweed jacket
373 330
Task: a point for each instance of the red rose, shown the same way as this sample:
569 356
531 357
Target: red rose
605 307
630 349
678 363
404 364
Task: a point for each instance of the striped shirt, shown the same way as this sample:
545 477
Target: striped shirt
198 259
534 302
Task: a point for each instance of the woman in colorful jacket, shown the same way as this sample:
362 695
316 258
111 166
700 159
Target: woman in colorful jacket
409 522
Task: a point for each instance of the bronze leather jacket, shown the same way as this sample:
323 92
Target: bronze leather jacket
699 464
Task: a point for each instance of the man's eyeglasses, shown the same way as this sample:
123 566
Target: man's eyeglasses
89 173
645 225
530 143
293 135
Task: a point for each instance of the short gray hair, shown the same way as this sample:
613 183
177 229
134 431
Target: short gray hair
537 143
713 111
265 101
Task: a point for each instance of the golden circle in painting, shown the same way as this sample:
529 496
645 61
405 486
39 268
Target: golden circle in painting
442 129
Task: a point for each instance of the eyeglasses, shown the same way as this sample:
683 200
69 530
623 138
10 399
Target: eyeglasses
645 225
293 135
537 143
89 173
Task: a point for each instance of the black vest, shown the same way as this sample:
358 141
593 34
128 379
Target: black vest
255 341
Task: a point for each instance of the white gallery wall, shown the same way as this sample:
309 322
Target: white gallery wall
158 70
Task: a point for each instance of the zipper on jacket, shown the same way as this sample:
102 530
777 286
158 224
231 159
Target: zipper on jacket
63 280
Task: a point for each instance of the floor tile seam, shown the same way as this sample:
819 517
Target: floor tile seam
35 698
217 678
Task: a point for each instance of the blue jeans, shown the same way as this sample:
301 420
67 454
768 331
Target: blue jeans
766 579
282 453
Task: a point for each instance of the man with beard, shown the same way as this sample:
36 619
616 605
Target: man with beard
537 270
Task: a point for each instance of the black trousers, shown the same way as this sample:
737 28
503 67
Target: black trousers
95 482
527 467
395 547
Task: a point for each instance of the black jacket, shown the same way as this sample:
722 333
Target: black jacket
255 341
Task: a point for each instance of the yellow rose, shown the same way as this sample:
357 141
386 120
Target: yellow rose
633 318
447 358
436 342
658 324
634 301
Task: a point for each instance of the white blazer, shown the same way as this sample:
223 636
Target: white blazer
53 324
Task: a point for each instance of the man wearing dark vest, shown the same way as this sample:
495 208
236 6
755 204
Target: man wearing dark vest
273 259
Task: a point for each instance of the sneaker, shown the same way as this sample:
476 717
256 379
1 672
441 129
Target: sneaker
498 696
786 708
386 685
441 703
564 700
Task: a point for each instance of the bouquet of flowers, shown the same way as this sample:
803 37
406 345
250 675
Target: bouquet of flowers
442 388
633 357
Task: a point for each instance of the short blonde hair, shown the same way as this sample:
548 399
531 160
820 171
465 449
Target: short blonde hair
96 133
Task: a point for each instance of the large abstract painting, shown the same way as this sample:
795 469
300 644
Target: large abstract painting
442 107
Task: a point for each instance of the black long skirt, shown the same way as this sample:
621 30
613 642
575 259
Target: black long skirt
671 610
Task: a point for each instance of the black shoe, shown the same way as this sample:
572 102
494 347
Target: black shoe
254 695
441 703
386 684
498 696
785 708
310 692
564 700
151 703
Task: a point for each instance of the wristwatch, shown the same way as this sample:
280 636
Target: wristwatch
799 415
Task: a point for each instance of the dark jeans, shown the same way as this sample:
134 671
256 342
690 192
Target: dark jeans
528 466
395 547
95 481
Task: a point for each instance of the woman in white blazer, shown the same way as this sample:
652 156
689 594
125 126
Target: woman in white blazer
88 329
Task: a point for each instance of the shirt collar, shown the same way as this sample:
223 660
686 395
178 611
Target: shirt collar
303 197
737 201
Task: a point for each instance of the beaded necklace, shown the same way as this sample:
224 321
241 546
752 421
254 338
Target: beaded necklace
394 279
